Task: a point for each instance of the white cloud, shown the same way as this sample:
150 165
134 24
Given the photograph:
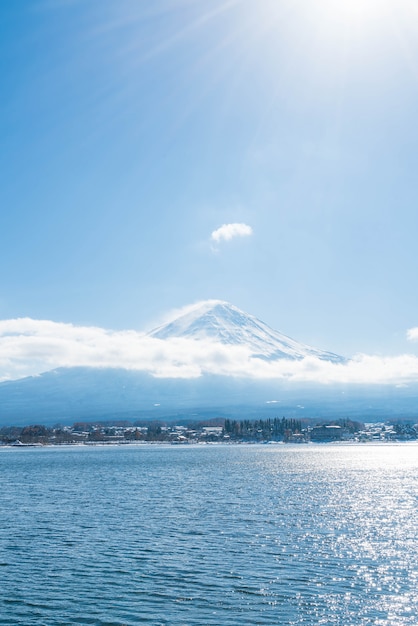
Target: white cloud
229 231
412 334
29 347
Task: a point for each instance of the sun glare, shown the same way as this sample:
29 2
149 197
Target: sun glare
365 15
363 12
353 9
331 32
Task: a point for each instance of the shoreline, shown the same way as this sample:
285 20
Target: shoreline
166 444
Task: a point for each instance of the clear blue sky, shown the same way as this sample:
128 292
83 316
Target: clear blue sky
132 130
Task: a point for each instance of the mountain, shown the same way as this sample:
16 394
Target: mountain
220 321
67 395
72 394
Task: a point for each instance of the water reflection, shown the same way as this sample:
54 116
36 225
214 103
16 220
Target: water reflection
210 535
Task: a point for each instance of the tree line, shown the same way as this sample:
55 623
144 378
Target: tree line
262 429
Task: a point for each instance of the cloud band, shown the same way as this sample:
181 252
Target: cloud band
29 347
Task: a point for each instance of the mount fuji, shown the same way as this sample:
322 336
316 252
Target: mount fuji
69 394
222 322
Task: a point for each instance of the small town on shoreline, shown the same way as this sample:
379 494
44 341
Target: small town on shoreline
217 430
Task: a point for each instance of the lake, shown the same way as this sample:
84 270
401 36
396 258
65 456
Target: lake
209 535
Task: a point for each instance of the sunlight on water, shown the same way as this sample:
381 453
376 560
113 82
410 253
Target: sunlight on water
209 535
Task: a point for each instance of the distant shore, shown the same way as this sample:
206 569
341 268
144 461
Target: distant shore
167 444
215 431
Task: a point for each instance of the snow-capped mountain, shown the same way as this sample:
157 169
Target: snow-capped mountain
88 393
223 322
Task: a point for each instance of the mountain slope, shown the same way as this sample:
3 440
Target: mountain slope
72 394
223 322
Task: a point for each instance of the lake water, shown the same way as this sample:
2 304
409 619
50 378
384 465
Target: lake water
202 535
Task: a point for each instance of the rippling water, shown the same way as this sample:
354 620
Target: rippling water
222 535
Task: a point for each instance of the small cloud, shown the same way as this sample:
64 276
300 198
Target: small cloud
412 334
229 231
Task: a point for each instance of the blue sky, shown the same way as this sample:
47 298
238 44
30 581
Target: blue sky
131 131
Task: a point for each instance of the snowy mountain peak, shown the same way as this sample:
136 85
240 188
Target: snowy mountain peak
223 322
